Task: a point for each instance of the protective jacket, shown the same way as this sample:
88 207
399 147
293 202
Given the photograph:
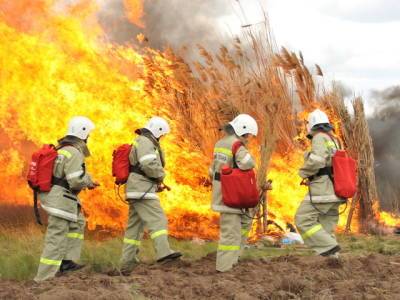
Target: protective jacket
223 156
69 178
147 163
321 186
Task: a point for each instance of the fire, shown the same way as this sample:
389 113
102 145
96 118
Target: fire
56 64
135 12
287 192
61 68
388 219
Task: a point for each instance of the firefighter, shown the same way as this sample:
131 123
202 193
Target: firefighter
318 214
145 180
234 223
66 222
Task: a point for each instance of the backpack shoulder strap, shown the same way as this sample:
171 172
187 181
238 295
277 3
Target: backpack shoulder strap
235 148
58 147
333 139
336 141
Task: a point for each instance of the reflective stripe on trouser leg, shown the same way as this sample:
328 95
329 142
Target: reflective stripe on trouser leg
75 238
161 243
133 235
308 222
53 249
229 241
310 232
153 216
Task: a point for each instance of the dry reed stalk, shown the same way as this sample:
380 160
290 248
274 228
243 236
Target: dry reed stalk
294 66
368 195
357 140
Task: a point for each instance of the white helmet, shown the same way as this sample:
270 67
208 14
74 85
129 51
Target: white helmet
316 117
244 124
158 126
80 127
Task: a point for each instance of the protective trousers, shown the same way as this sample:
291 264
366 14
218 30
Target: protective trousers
316 224
234 231
63 241
144 213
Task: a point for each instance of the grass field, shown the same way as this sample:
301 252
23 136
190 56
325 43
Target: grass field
20 250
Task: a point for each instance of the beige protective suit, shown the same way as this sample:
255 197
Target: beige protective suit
234 224
66 222
145 210
317 217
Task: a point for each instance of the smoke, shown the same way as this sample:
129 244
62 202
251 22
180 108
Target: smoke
385 131
343 89
175 23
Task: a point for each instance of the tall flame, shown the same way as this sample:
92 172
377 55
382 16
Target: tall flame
55 66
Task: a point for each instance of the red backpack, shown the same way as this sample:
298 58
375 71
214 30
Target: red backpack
121 164
40 174
344 174
239 187
40 171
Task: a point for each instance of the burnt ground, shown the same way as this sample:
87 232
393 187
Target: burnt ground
373 276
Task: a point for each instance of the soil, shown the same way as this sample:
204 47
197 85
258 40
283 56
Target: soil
288 277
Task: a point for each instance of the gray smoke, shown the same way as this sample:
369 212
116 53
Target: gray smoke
175 23
385 131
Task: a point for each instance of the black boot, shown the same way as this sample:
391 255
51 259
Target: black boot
69 266
169 257
331 252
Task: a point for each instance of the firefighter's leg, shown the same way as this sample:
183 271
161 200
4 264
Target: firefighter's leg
229 241
330 220
246 223
313 233
75 239
155 220
132 240
54 248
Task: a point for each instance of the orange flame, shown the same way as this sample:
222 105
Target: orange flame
135 12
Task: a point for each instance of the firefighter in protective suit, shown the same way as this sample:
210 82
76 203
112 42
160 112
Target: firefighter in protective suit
66 222
234 223
318 214
145 180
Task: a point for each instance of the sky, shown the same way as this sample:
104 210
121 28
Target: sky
356 42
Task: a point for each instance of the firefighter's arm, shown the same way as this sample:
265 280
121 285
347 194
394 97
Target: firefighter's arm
148 159
316 159
75 172
244 160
